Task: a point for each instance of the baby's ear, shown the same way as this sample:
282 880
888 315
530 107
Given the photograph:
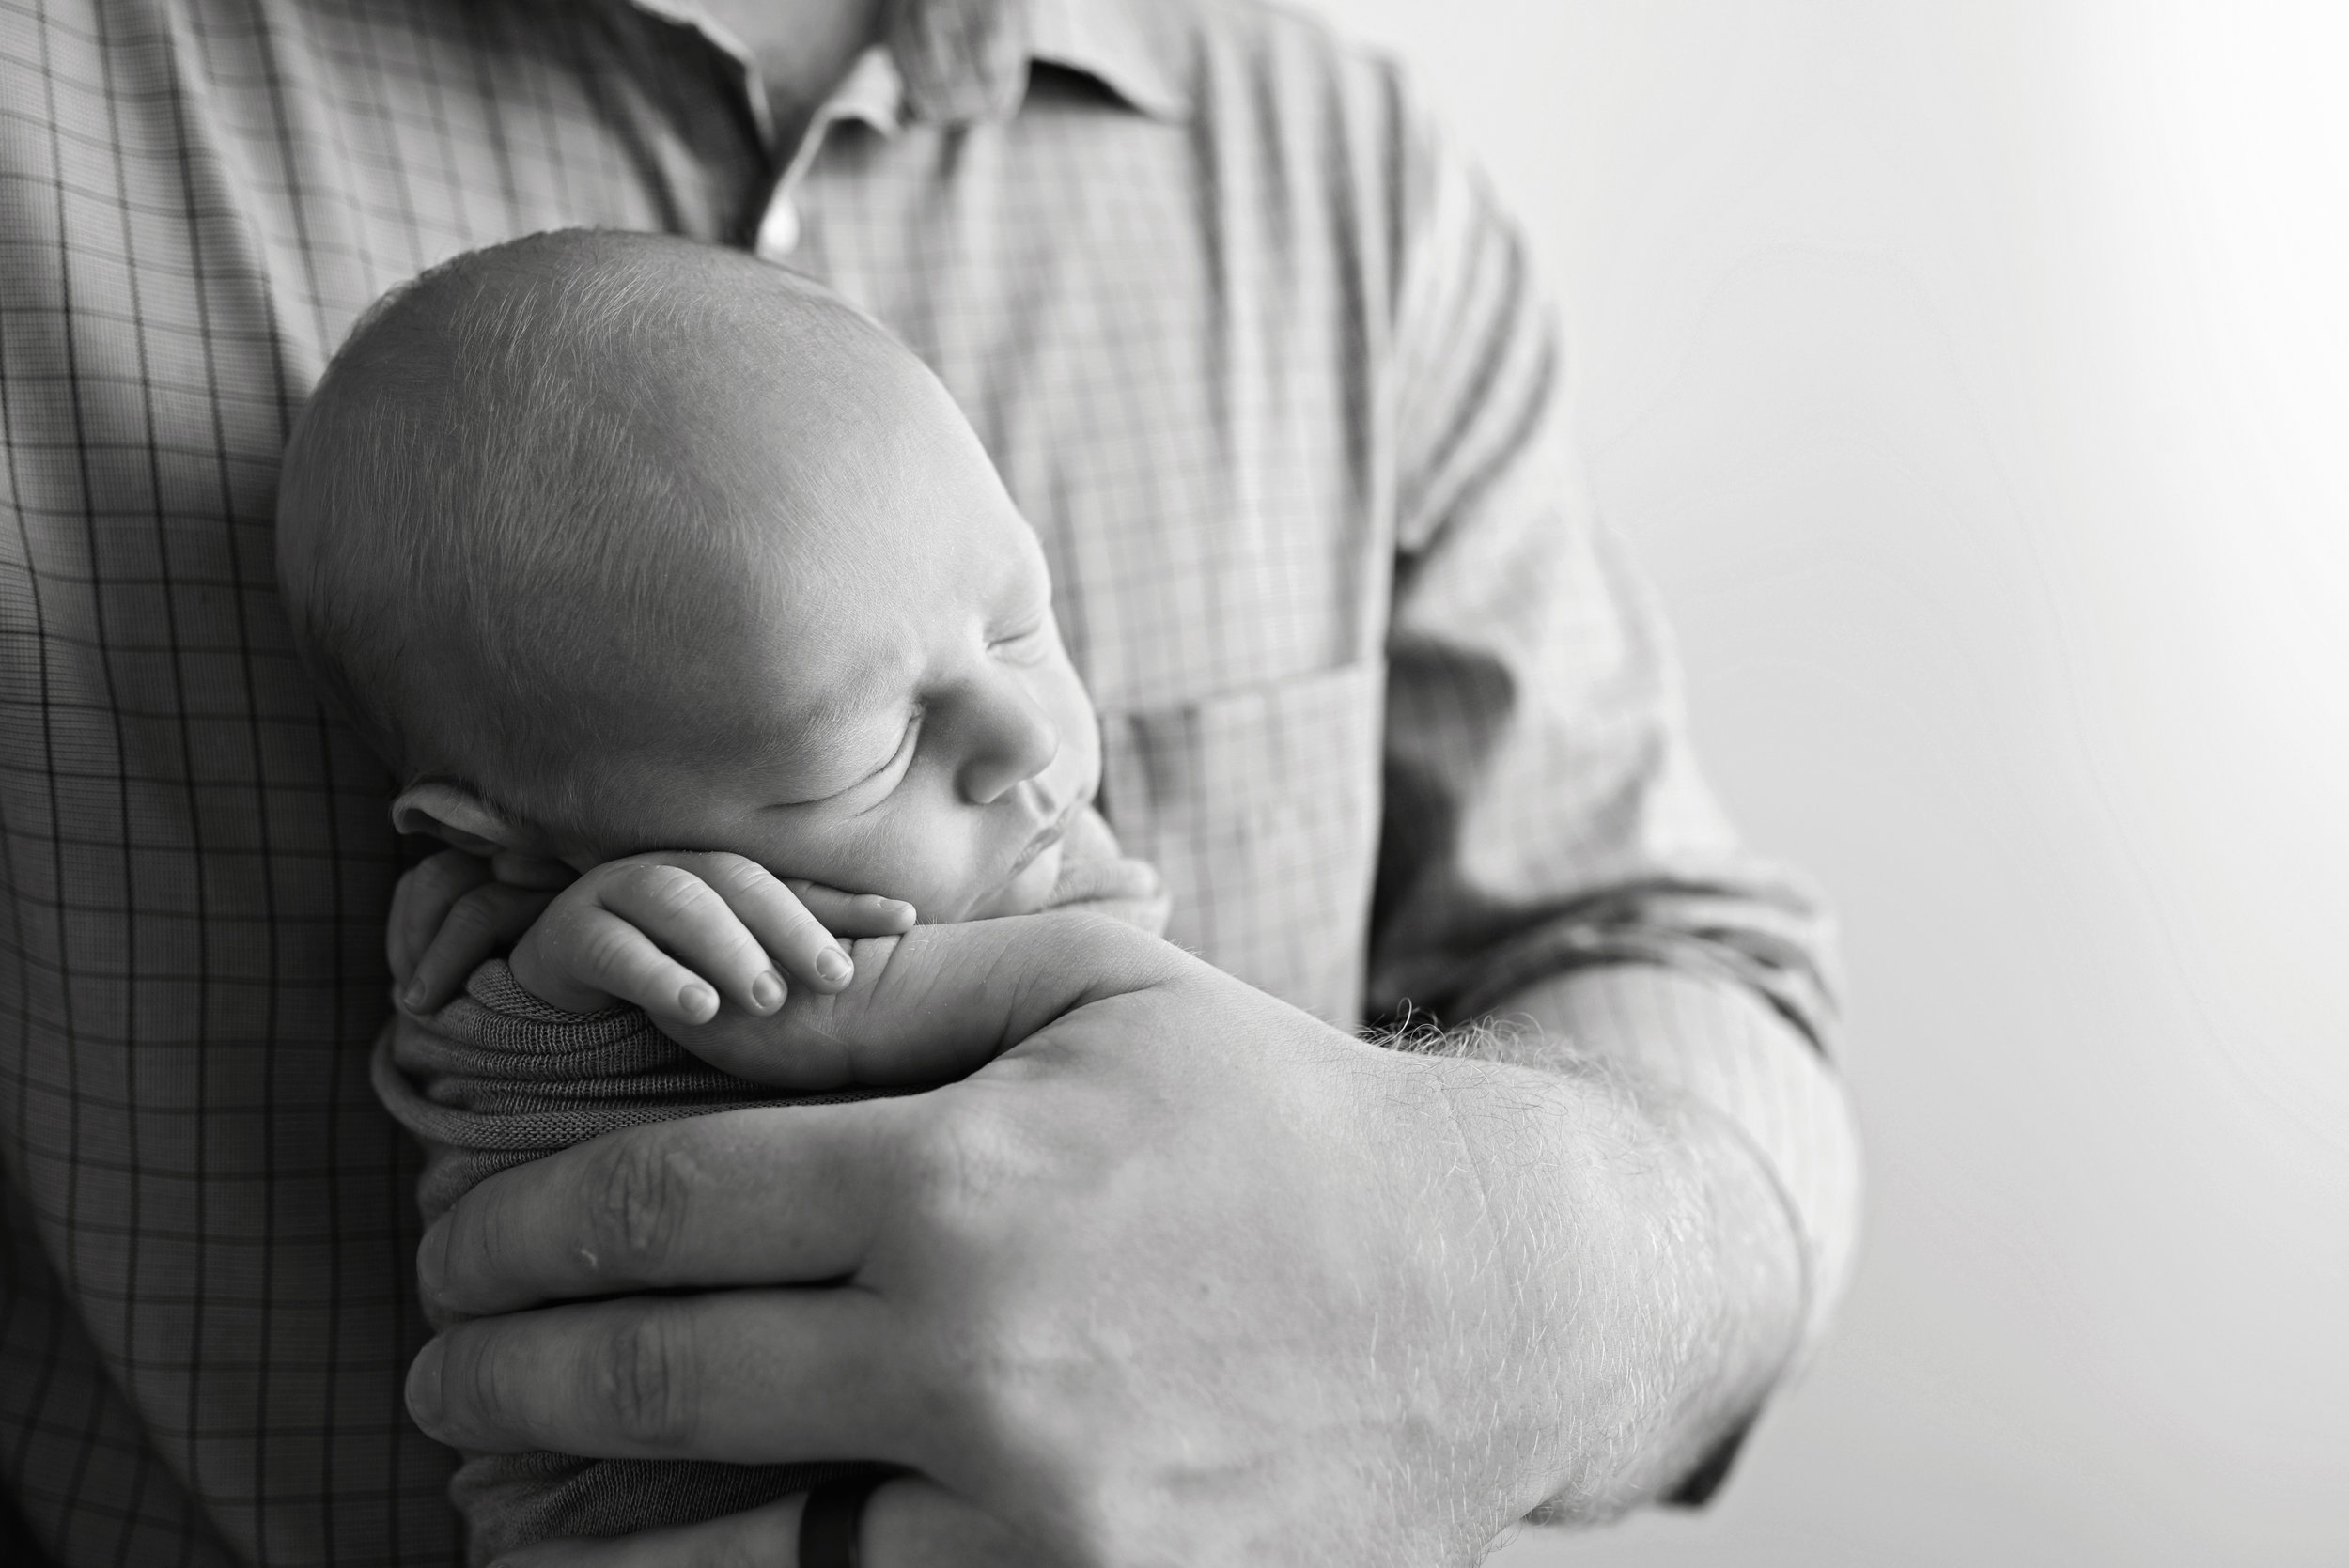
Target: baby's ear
456 815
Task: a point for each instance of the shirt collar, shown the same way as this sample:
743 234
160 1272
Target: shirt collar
955 61
1140 50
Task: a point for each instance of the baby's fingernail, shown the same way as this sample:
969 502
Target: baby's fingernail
697 1000
767 992
413 996
832 966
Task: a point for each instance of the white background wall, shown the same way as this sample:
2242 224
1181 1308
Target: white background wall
1973 377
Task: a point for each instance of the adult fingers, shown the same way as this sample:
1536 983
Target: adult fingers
743 1376
909 1522
481 924
853 914
426 893
761 1195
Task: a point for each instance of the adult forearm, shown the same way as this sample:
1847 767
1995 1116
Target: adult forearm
1657 1280
1712 1153
1715 1043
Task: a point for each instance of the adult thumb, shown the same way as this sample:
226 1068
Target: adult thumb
937 1002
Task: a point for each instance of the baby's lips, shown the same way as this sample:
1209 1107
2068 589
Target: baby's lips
1045 839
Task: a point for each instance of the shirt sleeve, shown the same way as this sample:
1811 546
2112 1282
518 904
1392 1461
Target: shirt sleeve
1547 836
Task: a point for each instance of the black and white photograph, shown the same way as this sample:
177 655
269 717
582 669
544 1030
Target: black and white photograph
1174 784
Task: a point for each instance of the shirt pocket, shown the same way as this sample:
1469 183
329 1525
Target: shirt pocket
1260 807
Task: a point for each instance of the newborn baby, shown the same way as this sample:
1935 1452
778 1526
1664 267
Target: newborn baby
651 563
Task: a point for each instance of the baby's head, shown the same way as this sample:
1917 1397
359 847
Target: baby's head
611 542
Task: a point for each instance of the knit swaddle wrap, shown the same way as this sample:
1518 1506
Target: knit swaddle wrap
497 1078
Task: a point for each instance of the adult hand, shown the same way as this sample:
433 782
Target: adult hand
1181 1276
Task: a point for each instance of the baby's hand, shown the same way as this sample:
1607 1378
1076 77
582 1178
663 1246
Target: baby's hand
675 932
671 932
454 909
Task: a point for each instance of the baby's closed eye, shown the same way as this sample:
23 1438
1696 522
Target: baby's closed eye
882 779
1026 643
871 787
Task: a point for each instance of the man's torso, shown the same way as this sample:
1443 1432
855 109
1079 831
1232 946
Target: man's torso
1160 288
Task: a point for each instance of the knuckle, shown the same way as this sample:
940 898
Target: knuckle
639 1193
963 1161
732 945
482 1241
644 1376
615 879
474 911
669 889
448 868
606 950
482 1384
474 1372
499 900
737 873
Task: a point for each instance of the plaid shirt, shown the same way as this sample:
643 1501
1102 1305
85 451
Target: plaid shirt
1253 352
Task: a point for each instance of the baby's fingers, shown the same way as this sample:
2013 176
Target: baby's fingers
480 925
421 904
787 930
700 911
589 956
853 914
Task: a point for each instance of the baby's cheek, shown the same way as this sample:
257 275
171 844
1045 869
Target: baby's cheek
931 864
925 880
856 857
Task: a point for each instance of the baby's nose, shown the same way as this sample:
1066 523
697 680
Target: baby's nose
1015 739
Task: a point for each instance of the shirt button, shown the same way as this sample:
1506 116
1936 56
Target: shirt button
779 230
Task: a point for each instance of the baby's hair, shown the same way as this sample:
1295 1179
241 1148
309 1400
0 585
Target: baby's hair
493 470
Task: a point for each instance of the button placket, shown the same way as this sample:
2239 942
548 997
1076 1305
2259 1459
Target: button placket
779 228
870 95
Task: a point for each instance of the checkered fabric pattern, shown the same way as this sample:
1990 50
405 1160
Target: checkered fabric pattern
1253 351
